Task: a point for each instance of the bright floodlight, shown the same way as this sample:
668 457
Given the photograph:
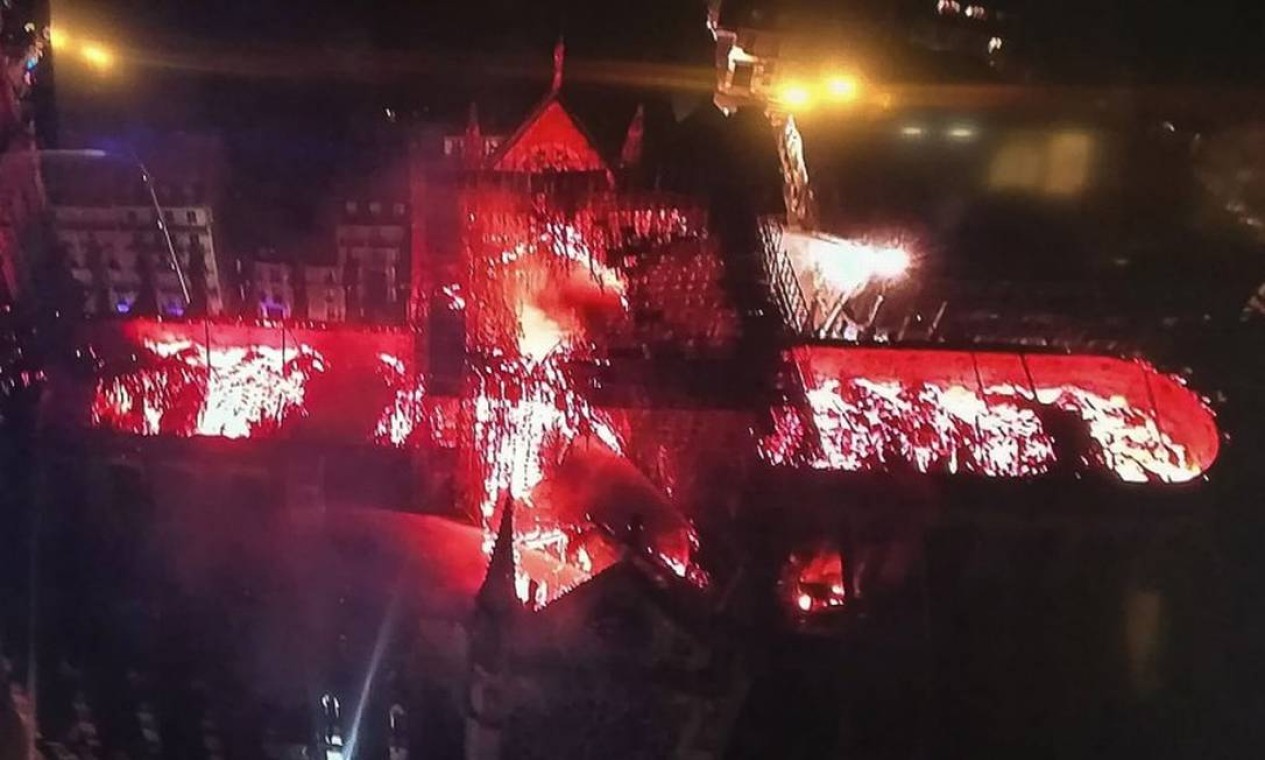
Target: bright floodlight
843 87
57 37
795 95
97 56
912 130
890 262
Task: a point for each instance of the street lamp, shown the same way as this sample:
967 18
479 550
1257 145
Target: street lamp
97 56
794 96
843 88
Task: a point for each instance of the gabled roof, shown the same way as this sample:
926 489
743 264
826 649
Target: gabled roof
675 598
550 140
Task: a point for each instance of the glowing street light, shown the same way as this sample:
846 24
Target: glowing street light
843 87
795 95
97 56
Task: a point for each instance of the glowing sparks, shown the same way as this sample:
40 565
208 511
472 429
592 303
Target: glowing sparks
814 580
865 425
848 265
452 293
524 421
533 303
520 417
407 410
830 268
540 335
245 391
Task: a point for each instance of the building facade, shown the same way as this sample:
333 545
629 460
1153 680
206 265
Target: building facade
119 257
372 237
272 290
104 227
325 294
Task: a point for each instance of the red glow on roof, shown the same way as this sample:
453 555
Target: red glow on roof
997 414
243 381
813 581
550 141
225 391
535 302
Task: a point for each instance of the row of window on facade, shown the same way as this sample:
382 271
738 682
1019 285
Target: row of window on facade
120 297
370 258
375 293
455 145
374 208
93 256
280 275
115 271
382 233
122 239
191 217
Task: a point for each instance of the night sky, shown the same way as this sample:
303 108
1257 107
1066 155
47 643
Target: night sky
209 63
299 89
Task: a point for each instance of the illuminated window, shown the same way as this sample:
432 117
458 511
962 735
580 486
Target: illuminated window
375 208
351 207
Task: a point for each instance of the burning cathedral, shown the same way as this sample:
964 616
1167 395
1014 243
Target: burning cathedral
654 432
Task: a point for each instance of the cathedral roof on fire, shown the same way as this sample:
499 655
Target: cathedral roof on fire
549 140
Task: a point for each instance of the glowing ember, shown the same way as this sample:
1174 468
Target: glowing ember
812 581
532 307
866 425
407 410
996 429
551 285
521 418
246 391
